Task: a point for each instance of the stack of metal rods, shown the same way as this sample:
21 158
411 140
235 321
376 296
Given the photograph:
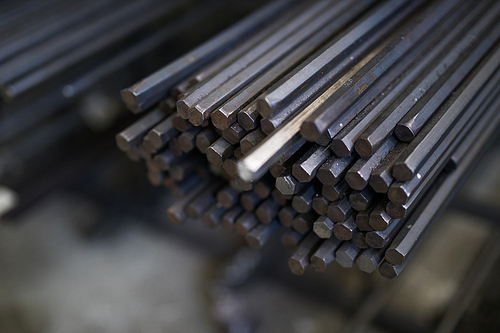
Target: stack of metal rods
54 54
344 127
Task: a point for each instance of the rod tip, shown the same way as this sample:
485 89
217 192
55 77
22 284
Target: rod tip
318 263
301 174
323 229
130 99
214 156
373 239
182 109
388 271
220 120
380 183
240 229
402 172
267 126
310 130
247 122
122 143
355 180
346 255
197 115
298 267
340 148
394 257
404 133
398 195
245 172
288 185
174 216
265 107
366 264
342 232
363 148
155 139
395 211
380 222
335 213
254 241
209 221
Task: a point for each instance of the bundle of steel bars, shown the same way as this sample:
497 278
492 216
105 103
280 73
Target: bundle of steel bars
343 126
57 55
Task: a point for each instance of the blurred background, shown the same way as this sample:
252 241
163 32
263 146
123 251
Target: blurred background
84 242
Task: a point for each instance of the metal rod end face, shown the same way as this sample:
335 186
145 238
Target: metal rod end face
319 264
394 257
342 232
245 171
347 254
254 241
402 172
122 143
183 109
389 271
130 99
356 180
364 148
310 131
174 216
381 183
404 133
197 115
265 107
323 227
298 266
398 195
339 148
367 264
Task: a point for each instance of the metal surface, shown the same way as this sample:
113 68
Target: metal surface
304 123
